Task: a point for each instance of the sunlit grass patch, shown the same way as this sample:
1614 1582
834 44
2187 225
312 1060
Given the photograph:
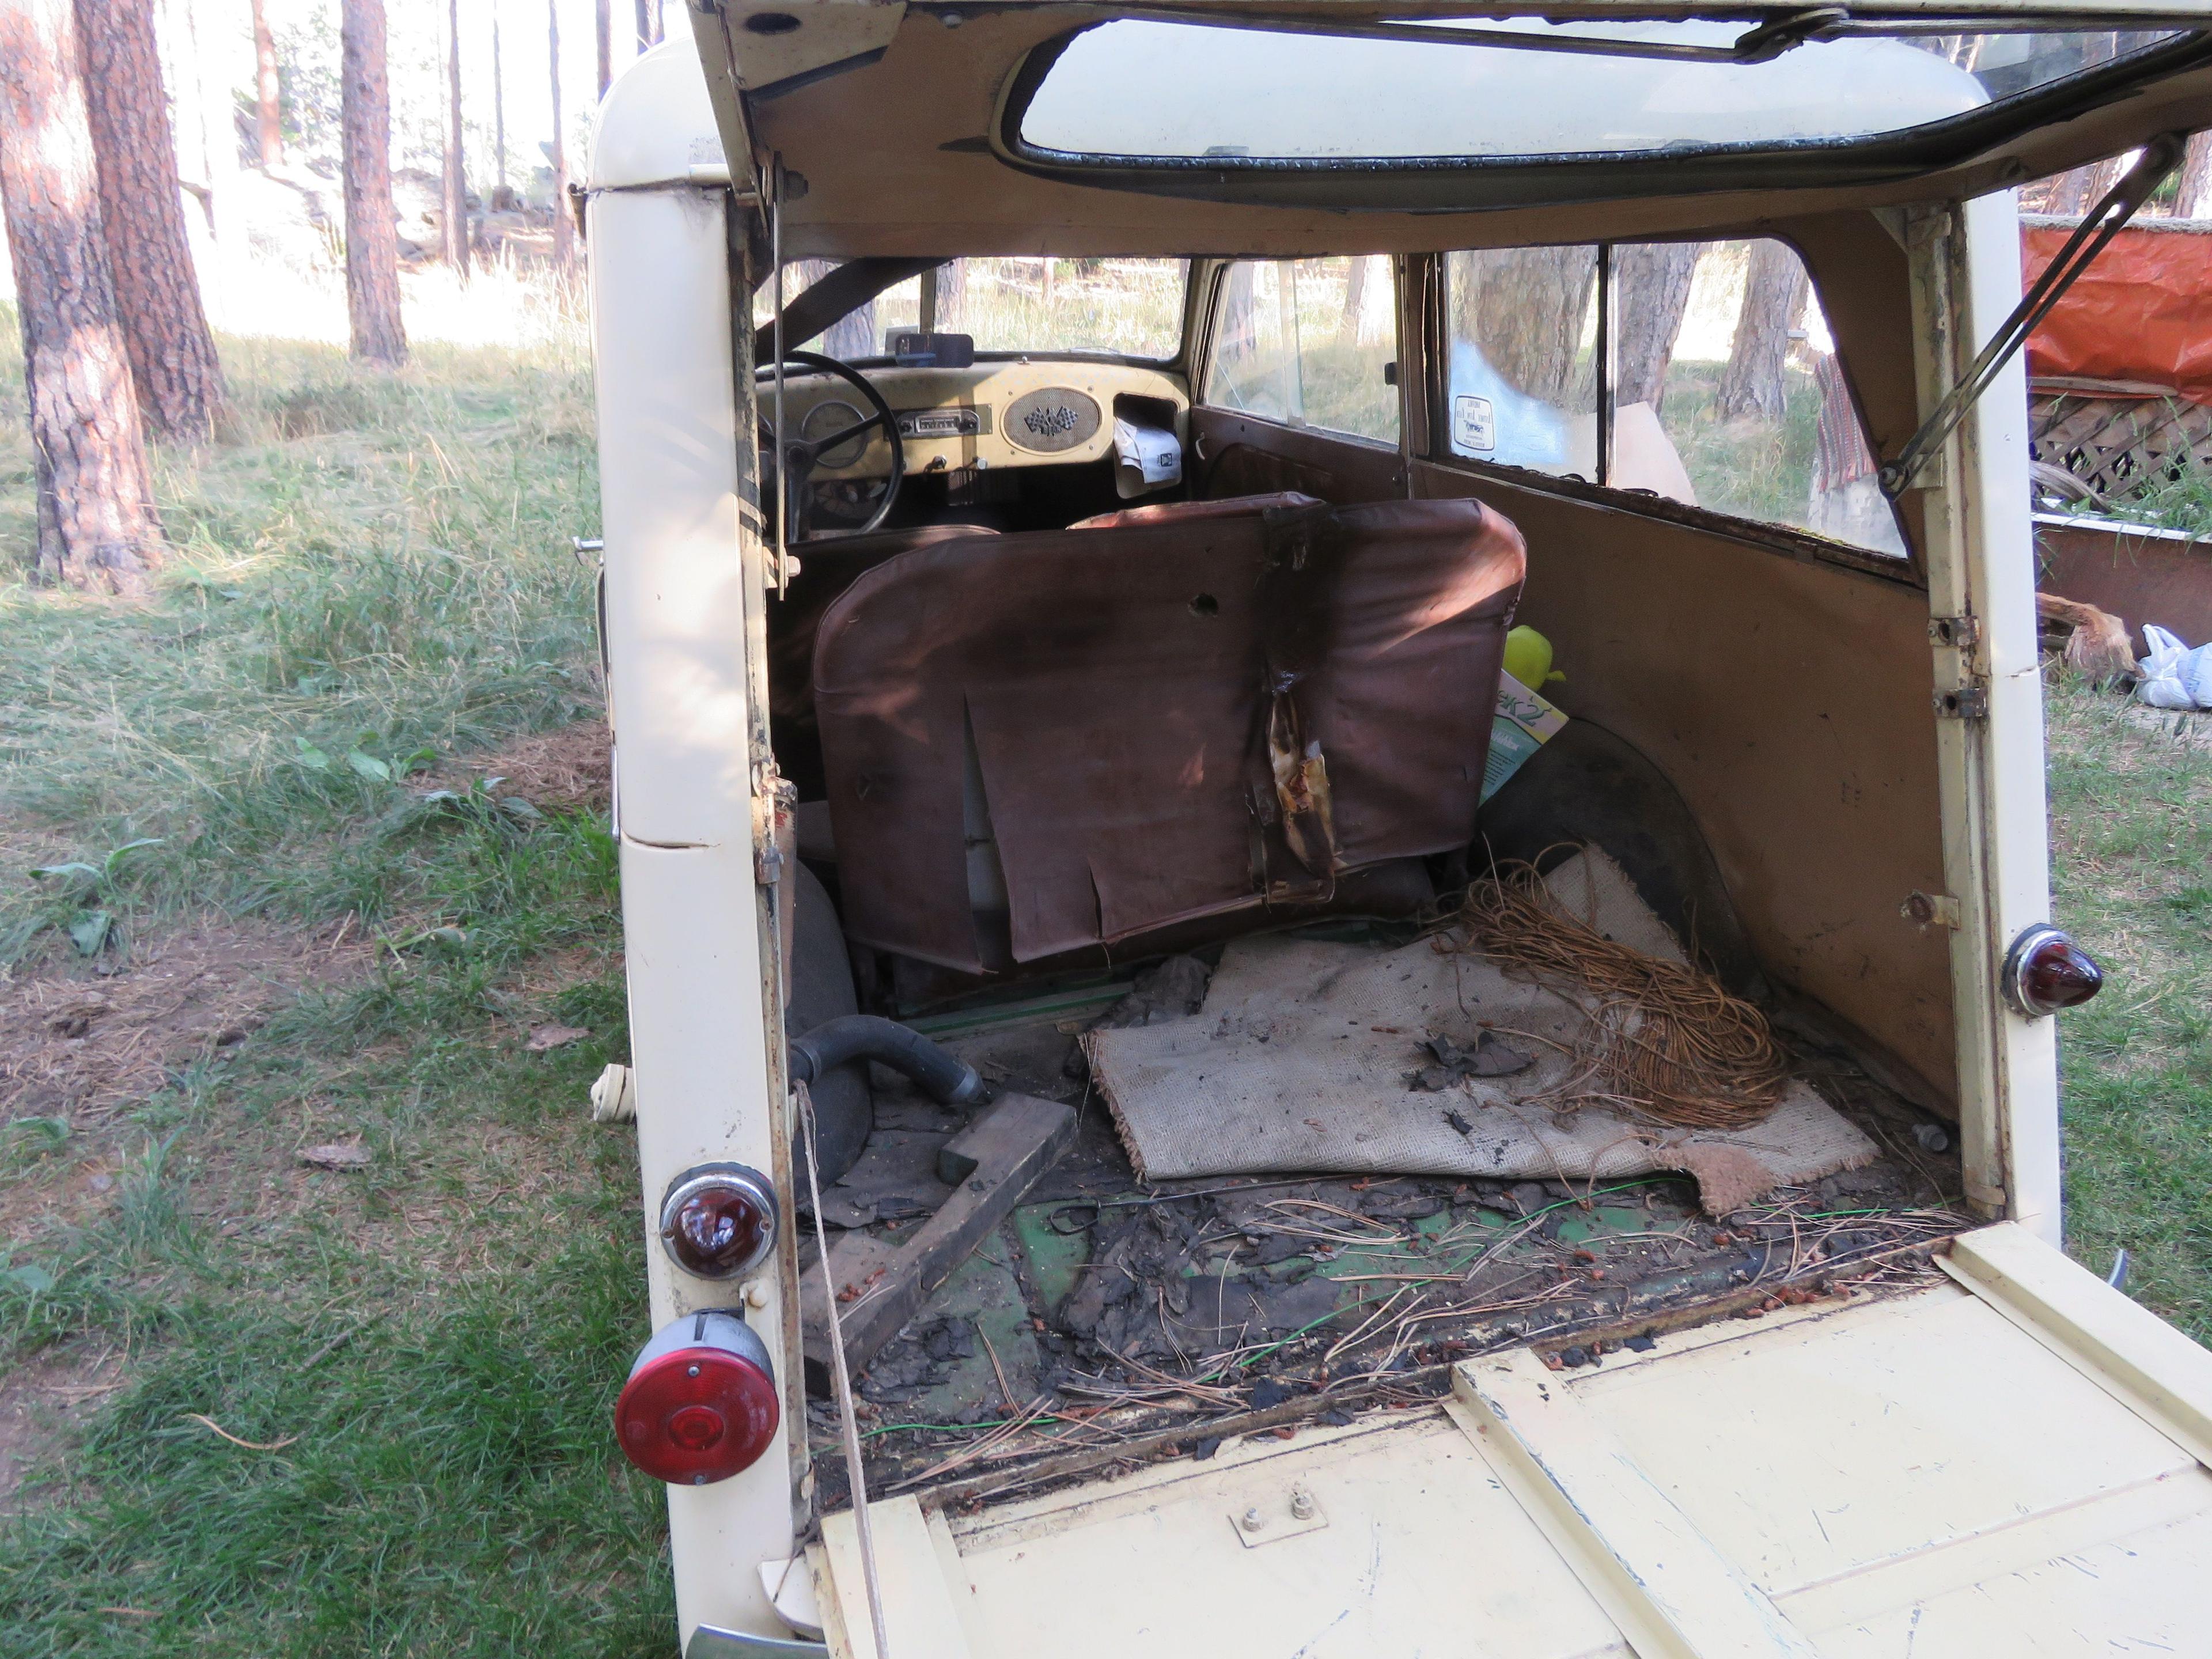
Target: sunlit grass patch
366 565
2131 844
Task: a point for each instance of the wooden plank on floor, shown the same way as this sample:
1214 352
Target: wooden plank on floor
882 1285
1673 1595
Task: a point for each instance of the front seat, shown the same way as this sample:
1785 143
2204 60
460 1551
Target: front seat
1157 722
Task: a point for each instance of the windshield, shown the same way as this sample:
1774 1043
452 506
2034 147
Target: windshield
1108 307
1184 92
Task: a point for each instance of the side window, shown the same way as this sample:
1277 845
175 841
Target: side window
1522 386
1308 342
1727 392
1720 383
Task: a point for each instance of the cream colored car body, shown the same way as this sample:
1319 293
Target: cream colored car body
2011 1462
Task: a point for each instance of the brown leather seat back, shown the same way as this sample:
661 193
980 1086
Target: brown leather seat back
1157 722
826 568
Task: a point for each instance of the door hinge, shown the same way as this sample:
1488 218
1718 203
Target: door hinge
1963 632
1933 910
1964 702
775 834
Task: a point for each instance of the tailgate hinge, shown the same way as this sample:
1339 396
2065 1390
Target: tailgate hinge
1969 702
1963 632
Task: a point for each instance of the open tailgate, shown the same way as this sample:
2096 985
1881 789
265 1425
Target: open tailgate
2008 1461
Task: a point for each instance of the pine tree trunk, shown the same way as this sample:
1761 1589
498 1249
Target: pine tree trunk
455 194
498 202
564 226
268 106
1774 293
1526 310
602 20
851 335
206 117
1651 284
952 298
97 528
380 336
648 24
1355 296
2192 193
157 298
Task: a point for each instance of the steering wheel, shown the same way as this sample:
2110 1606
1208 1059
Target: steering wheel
796 458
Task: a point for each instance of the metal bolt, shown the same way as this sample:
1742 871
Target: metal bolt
1301 1505
692 1370
1253 1521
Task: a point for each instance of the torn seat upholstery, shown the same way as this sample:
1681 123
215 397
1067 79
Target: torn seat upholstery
1037 743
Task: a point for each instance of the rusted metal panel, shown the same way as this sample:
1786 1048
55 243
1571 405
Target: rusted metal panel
2138 573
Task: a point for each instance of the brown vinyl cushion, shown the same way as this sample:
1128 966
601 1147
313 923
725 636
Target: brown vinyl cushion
826 568
1170 720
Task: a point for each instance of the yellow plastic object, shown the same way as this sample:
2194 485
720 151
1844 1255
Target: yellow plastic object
1528 658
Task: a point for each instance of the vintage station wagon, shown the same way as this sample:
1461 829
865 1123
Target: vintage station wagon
1075 478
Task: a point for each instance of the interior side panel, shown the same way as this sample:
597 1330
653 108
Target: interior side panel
1240 455
1790 703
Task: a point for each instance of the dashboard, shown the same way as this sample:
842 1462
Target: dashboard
1017 412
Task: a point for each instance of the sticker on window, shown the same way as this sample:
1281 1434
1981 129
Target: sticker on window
1473 427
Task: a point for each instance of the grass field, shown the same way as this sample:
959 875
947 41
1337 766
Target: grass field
250 1405
372 581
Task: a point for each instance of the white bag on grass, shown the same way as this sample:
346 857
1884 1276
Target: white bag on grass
2173 675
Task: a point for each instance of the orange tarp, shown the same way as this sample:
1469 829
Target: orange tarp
2140 313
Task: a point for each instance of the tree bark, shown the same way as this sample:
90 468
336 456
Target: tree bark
1774 293
850 335
268 105
951 298
564 226
454 232
498 119
1651 284
2192 191
157 298
380 336
97 527
648 24
602 20
1525 310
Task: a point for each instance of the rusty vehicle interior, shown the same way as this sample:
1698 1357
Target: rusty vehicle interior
1071 757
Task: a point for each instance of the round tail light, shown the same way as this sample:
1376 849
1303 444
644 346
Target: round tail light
2045 971
719 1220
700 1402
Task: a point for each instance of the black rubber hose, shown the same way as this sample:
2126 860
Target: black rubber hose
866 1036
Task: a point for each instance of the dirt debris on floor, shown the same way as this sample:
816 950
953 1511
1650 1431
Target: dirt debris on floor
1108 1313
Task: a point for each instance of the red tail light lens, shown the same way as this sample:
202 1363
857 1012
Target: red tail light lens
2045 971
700 1403
719 1220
